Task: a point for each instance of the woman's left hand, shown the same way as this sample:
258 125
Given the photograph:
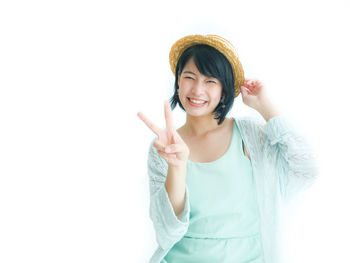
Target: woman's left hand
253 93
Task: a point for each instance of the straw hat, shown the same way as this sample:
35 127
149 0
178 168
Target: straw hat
221 44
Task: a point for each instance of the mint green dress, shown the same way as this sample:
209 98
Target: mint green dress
224 219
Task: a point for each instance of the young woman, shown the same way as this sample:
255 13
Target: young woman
216 182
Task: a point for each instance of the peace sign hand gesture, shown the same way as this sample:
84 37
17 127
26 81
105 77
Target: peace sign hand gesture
170 145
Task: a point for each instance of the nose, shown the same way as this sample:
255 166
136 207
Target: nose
198 88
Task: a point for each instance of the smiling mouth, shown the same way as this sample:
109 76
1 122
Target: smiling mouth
196 103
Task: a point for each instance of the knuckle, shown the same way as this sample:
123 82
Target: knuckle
169 149
174 148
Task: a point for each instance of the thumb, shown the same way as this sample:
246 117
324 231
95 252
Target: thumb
243 91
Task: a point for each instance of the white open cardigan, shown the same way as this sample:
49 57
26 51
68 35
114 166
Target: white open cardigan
283 162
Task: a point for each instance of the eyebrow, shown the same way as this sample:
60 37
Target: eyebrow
190 72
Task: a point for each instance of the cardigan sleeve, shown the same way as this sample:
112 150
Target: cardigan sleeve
169 229
295 160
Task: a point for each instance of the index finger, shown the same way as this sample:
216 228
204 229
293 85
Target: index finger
168 116
150 124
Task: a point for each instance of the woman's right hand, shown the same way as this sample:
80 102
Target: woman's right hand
168 139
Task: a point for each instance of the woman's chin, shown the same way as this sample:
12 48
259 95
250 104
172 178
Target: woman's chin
198 113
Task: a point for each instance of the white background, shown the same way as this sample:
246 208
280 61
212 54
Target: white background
73 153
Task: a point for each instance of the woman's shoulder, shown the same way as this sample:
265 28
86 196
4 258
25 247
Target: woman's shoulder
249 123
249 119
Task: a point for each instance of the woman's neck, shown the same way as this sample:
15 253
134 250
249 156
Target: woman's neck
201 125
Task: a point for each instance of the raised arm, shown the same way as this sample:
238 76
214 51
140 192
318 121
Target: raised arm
294 159
169 198
169 228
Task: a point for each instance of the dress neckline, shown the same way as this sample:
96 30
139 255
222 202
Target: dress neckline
221 157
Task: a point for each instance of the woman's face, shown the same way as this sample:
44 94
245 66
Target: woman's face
205 91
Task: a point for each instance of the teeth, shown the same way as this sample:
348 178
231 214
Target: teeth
197 101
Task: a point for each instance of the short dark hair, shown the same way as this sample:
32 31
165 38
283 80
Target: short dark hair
211 63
